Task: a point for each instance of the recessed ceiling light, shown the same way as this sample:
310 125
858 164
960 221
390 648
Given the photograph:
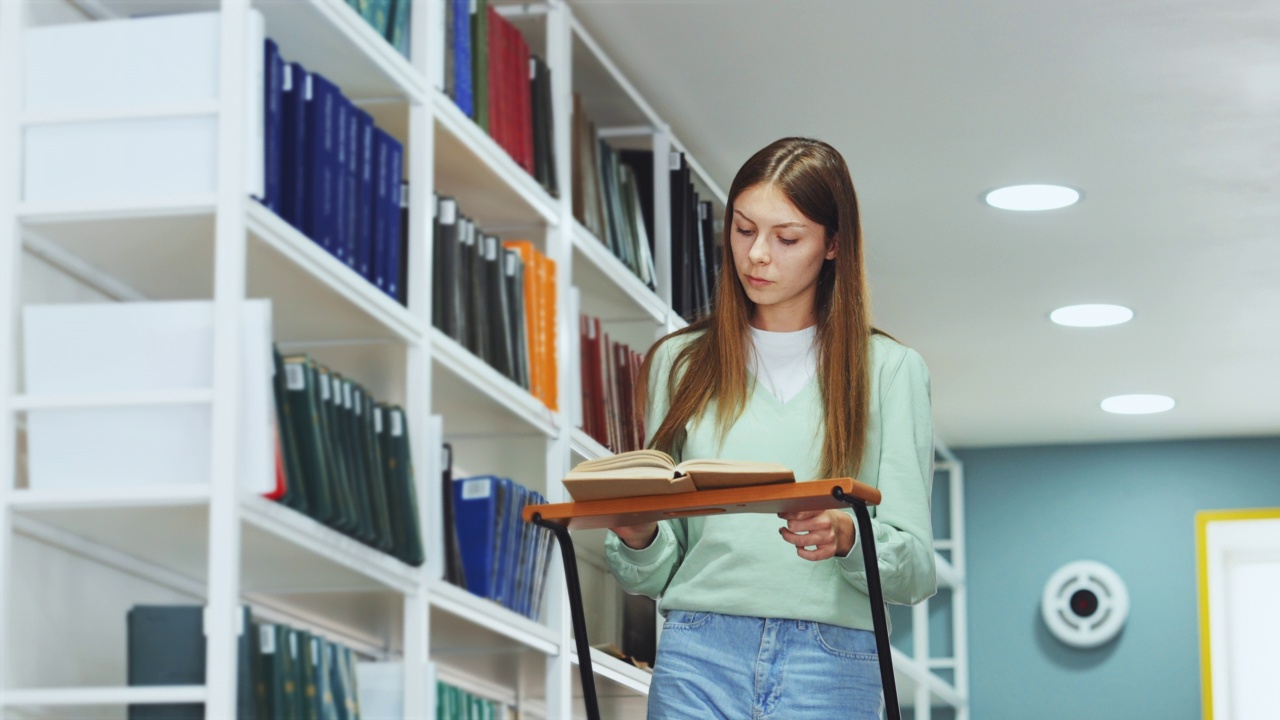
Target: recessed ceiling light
1032 197
1091 315
1138 404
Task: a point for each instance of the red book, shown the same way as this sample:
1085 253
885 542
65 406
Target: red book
495 69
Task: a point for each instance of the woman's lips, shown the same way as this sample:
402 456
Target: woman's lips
757 282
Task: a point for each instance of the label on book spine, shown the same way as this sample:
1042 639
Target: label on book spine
293 644
448 211
511 264
358 401
673 160
267 639
324 388
397 425
377 420
306 90
491 248
474 489
294 377
346 392
286 79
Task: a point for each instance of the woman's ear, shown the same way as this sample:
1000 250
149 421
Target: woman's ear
831 249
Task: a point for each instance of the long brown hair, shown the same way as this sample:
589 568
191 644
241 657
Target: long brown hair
713 366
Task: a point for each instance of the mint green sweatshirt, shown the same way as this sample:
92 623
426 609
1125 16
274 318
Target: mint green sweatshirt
739 564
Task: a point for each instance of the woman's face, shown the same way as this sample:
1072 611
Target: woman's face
777 252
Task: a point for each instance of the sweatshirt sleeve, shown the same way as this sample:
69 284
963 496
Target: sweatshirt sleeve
902 523
649 571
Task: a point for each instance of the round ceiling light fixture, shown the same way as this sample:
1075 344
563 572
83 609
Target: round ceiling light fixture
1032 197
1138 404
1091 315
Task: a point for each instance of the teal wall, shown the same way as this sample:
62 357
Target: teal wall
1131 506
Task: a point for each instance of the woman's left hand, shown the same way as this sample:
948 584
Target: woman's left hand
828 532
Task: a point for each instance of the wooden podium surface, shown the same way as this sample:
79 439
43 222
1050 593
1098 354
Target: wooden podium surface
784 497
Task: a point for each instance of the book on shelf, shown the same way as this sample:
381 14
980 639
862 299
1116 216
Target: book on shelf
496 298
609 372
504 559
653 472
608 199
496 80
352 464
299 674
166 646
695 247
453 703
339 175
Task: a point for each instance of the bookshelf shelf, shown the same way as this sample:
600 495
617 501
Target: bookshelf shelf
618 672
483 400
283 550
314 296
327 36
501 627
102 400
489 185
612 292
103 696
584 447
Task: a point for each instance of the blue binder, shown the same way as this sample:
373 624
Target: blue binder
367 198
322 158
475 513
273 90
293 155
462 69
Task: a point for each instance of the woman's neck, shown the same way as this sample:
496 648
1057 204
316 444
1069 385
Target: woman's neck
777 319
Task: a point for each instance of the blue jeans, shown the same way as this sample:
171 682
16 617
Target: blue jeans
746 668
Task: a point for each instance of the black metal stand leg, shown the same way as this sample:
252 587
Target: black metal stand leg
867 540
575 611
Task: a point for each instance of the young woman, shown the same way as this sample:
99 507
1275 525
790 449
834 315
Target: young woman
764 621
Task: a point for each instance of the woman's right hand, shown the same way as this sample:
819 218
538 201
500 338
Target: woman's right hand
637 537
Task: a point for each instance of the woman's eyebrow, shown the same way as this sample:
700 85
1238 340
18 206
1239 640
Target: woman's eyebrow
793 223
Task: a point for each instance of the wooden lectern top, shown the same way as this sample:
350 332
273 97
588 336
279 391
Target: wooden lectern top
786 497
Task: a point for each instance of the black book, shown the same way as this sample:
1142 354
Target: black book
542 108
641 164
679 242
513 271
438 272
454 572
355 467
402 290
445 274
478 316
466 282
398 469
700 273
711 252
166 646
501 353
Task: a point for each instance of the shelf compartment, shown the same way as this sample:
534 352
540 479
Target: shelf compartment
609 289
103 696
283 551
326 36
478 400
167 253
617 672
585 447
489 185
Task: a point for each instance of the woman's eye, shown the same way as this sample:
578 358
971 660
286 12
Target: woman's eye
743 231
788 241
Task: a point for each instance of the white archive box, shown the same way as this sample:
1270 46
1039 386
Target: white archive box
141 349
127 110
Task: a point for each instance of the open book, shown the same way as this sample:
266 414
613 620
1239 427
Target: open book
653 472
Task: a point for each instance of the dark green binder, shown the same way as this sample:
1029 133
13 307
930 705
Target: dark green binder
349 442
308 649
307 416
372 470
262 641
344 513
399 468
295 495
480 62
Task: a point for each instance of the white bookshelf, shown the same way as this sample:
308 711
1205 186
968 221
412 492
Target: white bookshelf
216 543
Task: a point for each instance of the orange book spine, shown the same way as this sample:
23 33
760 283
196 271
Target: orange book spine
549 328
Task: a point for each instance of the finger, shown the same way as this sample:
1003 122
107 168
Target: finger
822 552
808 539
819 523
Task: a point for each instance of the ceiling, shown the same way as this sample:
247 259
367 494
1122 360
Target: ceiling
1165 114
